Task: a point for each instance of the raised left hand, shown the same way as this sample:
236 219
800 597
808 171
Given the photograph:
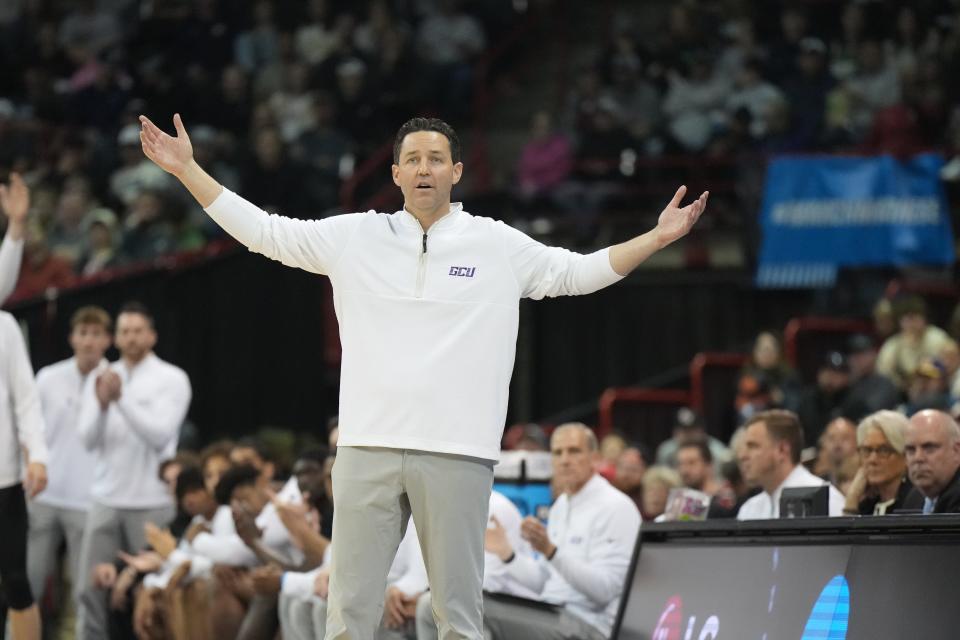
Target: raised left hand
676 222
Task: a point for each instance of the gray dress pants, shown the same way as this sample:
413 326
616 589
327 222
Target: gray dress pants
375 491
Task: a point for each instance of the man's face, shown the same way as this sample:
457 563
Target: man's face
572 459
913 324
252 499
426 173
196 502
759 455
840 440
213 468
309 474
933 457
693 469
630 470
249 456
89 342
135 337
862 363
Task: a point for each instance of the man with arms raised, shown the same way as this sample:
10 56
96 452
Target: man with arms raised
427 299
932 448
130 417
769 458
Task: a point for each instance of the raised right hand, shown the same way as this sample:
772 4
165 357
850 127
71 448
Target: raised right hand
173 155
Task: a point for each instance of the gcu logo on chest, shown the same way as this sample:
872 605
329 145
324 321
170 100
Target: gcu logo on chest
463 272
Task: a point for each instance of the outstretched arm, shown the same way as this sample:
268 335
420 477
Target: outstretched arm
674 223
312 245
14 201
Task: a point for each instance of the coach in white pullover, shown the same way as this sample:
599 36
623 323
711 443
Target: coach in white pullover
130 417
427 300
60 512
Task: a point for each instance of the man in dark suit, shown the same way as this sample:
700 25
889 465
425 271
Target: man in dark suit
933 462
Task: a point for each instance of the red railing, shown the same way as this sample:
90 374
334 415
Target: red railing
635 395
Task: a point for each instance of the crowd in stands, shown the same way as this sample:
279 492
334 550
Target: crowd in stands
283 98
735 81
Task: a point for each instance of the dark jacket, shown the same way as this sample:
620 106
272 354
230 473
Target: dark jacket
947 502
869 503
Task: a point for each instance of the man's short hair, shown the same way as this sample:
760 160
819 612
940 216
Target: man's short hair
190 479
700 446
255 443
907 305
427 124
592 444
91 314
240 476
133 306
783 426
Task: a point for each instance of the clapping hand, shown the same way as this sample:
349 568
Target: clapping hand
495 539
535 533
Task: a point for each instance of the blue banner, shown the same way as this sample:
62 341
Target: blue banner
820 213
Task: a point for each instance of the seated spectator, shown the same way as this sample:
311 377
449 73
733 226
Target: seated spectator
689 428
584 552
753 93
768 371
326 149
881 485
902 352
631 466
932 448
838 462
526 437
66 237
100 250
657 483
545 161
315 40
611 447
695 466
928 387
456 39
806 91
869 391
875 85
694 102
884 320
40 269
147 233
821 402
770 460
136 173
949 356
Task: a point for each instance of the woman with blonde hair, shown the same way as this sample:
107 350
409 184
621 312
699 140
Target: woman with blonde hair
881 484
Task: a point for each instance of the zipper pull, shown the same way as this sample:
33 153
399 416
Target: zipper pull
424 242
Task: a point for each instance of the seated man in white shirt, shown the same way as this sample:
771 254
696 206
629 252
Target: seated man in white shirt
769 458
505 520
585 551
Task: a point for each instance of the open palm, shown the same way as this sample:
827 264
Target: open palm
15 198
172 154
676 222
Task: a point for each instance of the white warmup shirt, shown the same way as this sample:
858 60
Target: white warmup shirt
496 574
136 433
764 505
595 531
428 321
11 255
70 471
21 421
224 546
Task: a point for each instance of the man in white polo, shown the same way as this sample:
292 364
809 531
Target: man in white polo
427 300
130 417
769 458
59 514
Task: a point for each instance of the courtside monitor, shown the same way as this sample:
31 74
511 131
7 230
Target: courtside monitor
862 578
805 502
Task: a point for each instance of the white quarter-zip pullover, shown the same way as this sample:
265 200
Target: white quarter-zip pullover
70 471
136 433
21 421
595 531
428 321
764 505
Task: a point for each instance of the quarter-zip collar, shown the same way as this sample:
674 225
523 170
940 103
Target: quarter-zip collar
448 219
